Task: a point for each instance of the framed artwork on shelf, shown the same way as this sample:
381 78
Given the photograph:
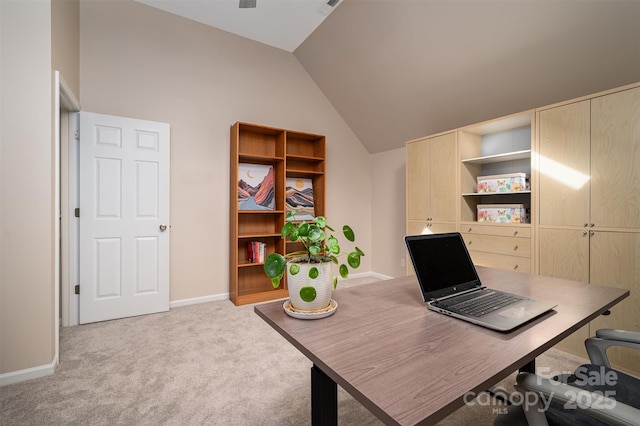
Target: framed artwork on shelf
256 189
300 198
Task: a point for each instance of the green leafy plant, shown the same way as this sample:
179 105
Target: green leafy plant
321 245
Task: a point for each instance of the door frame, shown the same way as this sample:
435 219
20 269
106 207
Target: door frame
66 124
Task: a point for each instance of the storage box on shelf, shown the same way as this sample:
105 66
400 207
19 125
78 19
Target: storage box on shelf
495 191
505 183
503 213
295 157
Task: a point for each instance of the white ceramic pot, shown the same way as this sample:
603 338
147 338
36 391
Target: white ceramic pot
310 294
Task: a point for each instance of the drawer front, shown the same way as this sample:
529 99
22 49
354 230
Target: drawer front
511 246
501 261
498 230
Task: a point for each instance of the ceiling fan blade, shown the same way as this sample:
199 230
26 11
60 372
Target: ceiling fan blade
245 4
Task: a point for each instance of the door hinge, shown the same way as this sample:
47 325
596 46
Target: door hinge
77 289
77 212
77 135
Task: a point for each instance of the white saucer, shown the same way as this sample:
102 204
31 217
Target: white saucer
317 314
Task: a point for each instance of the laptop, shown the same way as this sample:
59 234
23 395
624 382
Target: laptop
450 285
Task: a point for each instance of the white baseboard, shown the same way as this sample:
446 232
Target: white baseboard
196 300
28 374
225 296
380 276
368 275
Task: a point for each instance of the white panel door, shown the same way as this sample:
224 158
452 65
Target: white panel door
124 217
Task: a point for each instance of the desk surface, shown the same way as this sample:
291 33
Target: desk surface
408 364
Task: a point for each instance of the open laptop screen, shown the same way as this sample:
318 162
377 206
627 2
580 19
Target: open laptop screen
442 264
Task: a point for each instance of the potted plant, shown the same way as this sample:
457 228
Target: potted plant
309 274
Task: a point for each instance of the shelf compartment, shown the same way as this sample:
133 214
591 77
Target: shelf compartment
304 158
299 173
260 141
304 166
259 159
305 145
499 158
254 280
273 244
469 204
257 223
264 296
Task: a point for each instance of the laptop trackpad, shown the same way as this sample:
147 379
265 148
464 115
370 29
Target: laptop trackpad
515 312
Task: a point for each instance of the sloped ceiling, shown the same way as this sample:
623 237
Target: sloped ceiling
401 69
397 70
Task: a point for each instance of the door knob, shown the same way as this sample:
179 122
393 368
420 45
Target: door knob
163 227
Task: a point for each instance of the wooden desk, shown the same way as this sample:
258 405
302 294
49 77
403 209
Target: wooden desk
409 365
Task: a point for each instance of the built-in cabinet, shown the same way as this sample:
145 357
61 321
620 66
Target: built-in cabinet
431 182
589 210
295 162
583 160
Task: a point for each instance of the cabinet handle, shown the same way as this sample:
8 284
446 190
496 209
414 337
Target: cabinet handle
515 248
515 233
470 229
584 233
586 224
592 224
470 242
592 233
515 266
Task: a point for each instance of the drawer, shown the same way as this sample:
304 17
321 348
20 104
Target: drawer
501 261
511 246
503 230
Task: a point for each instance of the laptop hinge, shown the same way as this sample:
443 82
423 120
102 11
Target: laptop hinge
462 293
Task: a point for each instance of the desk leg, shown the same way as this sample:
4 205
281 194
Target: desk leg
324 399
530 367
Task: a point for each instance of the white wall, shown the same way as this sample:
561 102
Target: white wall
26 184
140 62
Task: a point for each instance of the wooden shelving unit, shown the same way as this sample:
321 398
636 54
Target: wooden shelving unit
292 155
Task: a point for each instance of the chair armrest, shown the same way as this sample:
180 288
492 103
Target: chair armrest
597 346
597 406
622 335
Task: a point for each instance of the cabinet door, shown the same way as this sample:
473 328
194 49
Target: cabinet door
564 164
418 180
564 254
615 262
615 156
443 177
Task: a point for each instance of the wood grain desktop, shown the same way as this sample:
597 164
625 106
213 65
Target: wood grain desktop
409 365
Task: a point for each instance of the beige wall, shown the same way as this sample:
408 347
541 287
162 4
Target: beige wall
26 214
143 63
388 208
65 41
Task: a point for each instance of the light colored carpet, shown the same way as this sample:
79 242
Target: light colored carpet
207 364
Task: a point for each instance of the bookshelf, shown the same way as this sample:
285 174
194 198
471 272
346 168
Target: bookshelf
265 161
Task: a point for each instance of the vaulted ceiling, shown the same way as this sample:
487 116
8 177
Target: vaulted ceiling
399 69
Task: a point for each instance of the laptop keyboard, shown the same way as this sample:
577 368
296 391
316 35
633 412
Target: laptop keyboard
484 304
